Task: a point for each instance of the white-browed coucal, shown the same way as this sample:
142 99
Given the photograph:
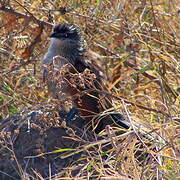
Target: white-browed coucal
68 45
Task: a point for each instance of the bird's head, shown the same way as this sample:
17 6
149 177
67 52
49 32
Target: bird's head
69 34
66 41
66 31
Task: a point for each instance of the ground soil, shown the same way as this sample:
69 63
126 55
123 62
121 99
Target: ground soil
28 136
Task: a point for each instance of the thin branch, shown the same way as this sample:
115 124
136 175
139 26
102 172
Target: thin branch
132 103
11 11
135 67
134 129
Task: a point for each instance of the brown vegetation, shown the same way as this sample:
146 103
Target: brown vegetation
140 44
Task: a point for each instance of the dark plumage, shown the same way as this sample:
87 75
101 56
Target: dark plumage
64 31
67 41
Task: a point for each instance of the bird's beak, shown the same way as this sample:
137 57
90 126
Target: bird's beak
54 35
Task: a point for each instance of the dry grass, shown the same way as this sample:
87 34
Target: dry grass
140 42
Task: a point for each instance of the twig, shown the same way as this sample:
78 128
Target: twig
11 11
106 93
135 67
26 10
132 103
134 129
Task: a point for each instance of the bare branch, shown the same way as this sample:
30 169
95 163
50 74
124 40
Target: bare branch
21 15
135 67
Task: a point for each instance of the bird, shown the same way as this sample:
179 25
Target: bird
68 45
